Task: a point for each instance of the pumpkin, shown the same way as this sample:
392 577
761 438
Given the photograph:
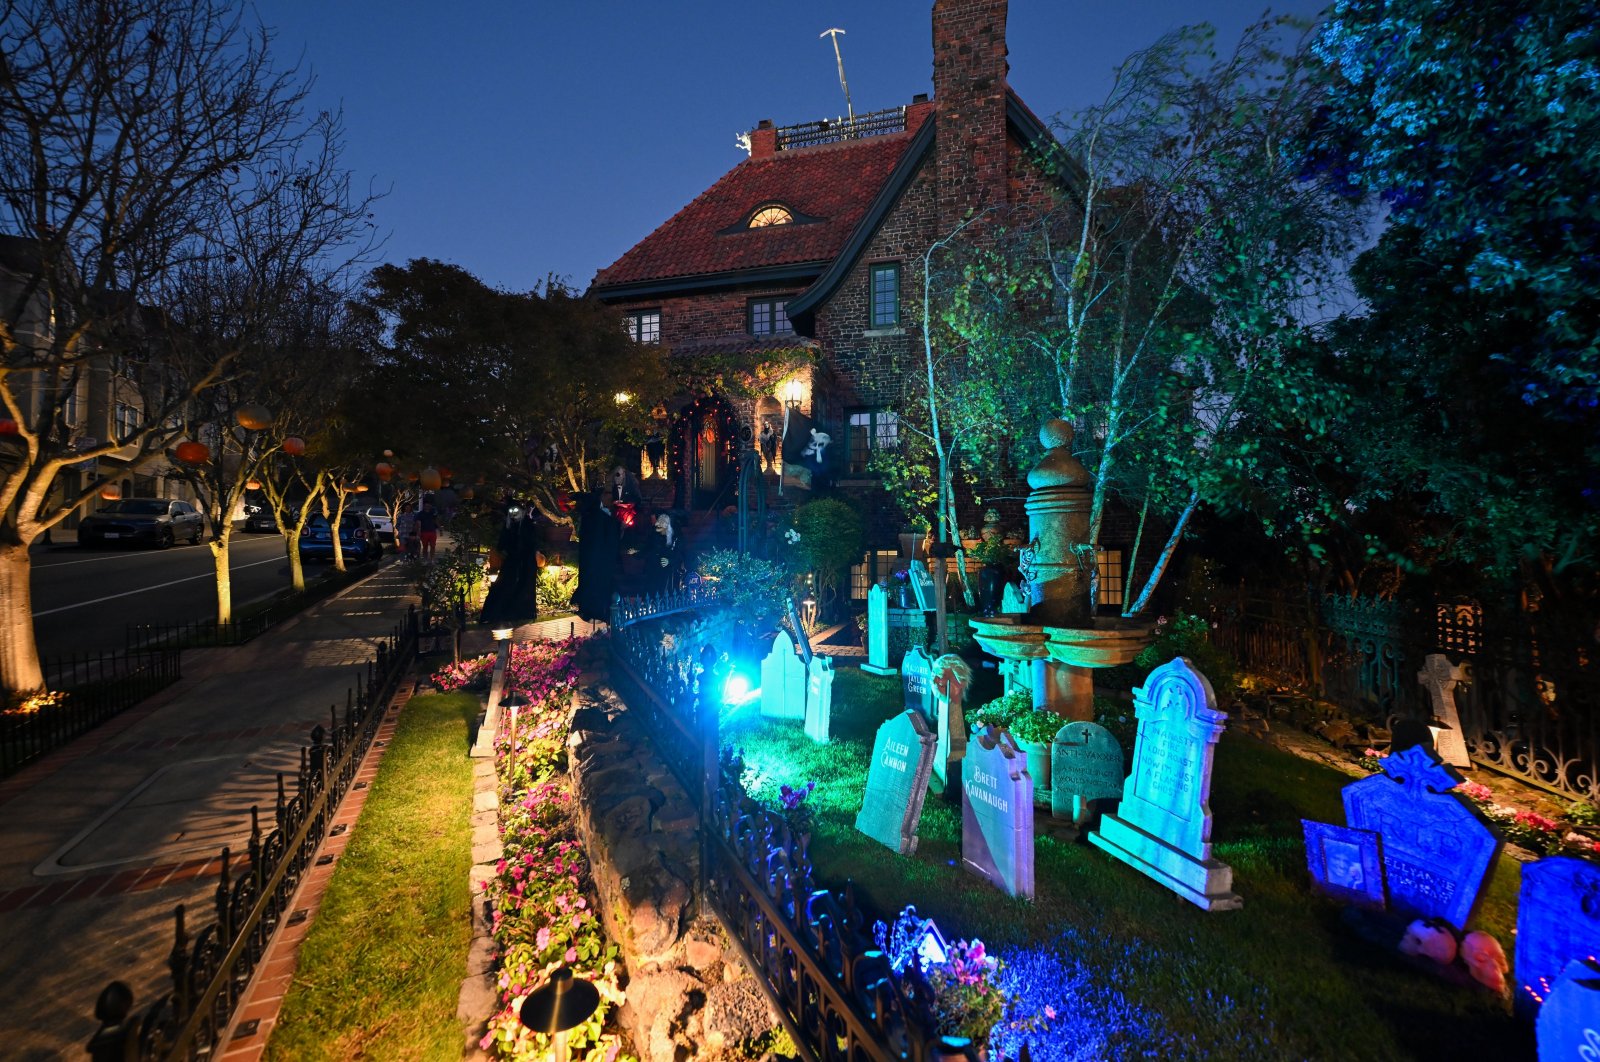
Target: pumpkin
253 417
193 453
294 446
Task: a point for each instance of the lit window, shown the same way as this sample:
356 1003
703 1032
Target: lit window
885 295
769 317
772 214
868 431
1110 562
643 326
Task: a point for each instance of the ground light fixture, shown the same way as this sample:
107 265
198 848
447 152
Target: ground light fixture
513 699
808 611
562 1004
502 634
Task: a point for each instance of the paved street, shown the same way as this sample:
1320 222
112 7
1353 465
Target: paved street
84 599
101 840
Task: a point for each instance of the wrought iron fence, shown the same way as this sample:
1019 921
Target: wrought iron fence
833 130
835 991
1530 707
211 969
88 689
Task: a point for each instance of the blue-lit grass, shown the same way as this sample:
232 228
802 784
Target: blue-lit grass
1133 970
380 971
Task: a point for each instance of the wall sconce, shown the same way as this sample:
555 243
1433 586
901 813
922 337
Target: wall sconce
792 392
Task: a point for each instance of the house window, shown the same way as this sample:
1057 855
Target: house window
127 420
771 214
769 317
868 431
1110 562
885 295
643 326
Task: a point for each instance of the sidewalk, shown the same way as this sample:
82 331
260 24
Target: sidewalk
101 840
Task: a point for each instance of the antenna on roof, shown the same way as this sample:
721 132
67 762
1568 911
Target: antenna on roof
835 34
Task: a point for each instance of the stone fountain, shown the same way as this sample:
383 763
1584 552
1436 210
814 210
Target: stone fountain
1060 633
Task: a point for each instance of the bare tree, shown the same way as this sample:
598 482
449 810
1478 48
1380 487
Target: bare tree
139 139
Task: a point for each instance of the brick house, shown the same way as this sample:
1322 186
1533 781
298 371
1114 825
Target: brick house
810 250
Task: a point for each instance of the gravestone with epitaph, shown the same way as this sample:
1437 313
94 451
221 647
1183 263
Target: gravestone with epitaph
922 586
1012 601
819 698
997 812
951 675
1436 846
1558 920
1440 679
897 782
1162 828
1569 1022
783 680
916 672
1085 765
877 631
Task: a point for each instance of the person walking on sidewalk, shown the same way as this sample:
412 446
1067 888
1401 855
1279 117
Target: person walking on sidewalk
428 530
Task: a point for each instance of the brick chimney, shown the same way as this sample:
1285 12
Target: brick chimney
969 91
763 140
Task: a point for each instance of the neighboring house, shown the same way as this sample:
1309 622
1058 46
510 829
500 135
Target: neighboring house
102 400
810 250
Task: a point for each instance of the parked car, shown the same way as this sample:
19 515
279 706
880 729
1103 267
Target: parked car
149 521
358 539
382 521
260 521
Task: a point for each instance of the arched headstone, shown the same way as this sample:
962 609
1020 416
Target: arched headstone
997 813
1085 765
917 670
1558 920
819 698
877 632
783 680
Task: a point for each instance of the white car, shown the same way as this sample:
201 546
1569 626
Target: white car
381 522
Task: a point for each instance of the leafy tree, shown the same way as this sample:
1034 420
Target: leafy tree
831 538
138 139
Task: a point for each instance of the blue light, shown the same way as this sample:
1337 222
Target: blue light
736 690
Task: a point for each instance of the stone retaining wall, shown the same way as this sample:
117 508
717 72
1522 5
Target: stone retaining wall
689 996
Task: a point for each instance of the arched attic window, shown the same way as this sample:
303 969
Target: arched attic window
770 214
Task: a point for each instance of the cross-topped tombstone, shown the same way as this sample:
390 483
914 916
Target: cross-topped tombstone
897 782
1558 920
922 586
1085 765
1569 1022
1016 675
1440 679
877 631
1436 847
1012 600
997 812
1162 828
951 676
783 680
917 672
819 698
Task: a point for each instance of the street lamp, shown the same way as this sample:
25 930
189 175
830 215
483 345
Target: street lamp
808 611
561 1005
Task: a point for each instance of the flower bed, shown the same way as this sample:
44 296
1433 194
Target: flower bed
544 916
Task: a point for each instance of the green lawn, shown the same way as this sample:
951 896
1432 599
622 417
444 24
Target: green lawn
381 970
1136 971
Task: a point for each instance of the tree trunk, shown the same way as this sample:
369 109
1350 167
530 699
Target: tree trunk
297 569
220 554
19 653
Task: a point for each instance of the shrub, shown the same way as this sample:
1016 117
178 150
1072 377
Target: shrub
1038 725
831 538
1189 636
556 585
1005 710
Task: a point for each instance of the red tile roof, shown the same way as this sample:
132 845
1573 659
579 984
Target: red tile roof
835 183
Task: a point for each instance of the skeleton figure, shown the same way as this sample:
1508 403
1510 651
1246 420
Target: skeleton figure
819 443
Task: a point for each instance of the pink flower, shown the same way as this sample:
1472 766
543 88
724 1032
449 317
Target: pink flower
542 940
1050 1012
572 955
577 921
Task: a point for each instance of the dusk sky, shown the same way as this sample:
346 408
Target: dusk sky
523 138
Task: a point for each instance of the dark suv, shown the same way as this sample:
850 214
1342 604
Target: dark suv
358 539
149 521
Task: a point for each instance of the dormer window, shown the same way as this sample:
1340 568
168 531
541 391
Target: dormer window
771 214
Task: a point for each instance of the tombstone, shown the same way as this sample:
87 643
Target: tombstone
1345 863
897 782
1569 1022
1436 847
877 632
1012 600
997 813
917 670
1162 828
1086 764
1016 674
819 698
783 680
951 677
1440 680
1558 920
922 586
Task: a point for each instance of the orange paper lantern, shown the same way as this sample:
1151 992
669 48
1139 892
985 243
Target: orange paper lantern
361 488
193 453
294 446
384 470
431 478
253 417
8 426
110 492
252 484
